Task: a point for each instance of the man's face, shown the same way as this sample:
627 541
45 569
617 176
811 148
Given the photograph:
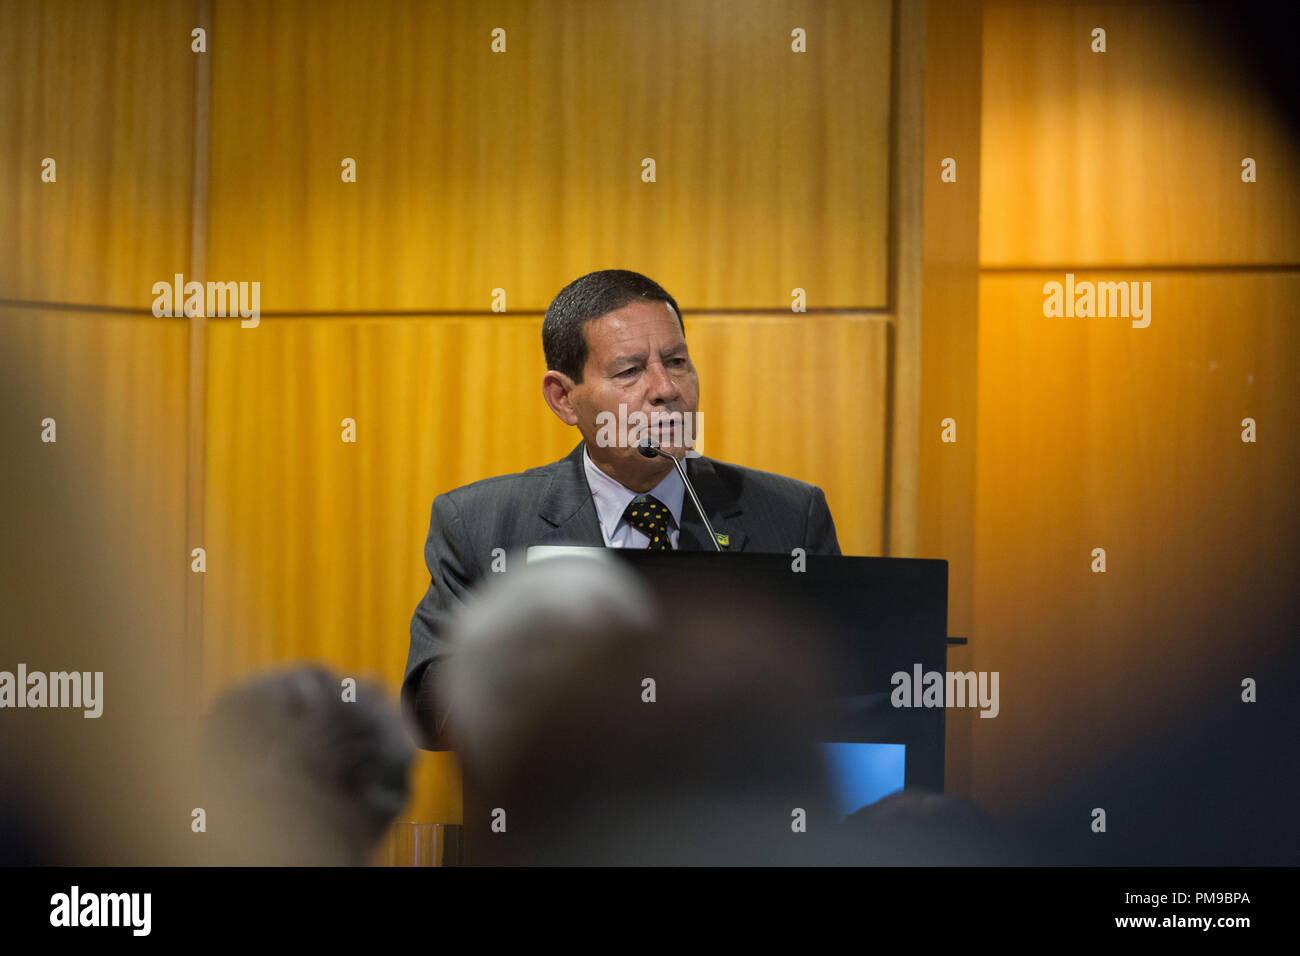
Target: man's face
636 357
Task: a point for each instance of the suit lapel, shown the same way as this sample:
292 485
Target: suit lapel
723 509
567 507
570 514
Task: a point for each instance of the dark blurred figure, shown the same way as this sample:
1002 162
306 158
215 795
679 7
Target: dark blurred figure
298 776
549 708
919 828
24 836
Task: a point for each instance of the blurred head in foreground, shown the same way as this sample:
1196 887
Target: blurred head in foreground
298 775
598 725
918 828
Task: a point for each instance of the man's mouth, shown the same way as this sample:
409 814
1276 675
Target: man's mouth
665 430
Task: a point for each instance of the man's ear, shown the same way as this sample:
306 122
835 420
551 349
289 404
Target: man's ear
556 387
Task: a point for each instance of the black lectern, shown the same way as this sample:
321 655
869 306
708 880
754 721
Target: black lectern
876 617
864 619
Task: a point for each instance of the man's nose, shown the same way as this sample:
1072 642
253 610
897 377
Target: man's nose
662 387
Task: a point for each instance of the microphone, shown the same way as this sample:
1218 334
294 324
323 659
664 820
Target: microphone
649 449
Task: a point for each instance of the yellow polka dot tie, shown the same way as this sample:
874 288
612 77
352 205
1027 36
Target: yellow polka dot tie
652 518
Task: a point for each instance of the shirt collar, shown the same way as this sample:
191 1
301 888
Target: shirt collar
611 498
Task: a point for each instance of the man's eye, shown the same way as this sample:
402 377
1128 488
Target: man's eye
679 362
626 371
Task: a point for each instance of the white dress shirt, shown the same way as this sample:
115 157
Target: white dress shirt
611 500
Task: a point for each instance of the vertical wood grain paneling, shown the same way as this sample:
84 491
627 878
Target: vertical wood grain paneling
780 394
115 388
1094 434
522 170
949 332
1132 155
907 190
316 543
106 90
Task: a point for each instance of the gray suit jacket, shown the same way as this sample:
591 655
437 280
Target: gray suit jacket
757 510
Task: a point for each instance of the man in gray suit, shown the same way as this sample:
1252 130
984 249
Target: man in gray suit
615 348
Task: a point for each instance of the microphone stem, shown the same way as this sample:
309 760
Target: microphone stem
699 508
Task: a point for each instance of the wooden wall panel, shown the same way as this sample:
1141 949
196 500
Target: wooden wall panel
315 544
115 388
803 396
93 566
521 170
106 90
949 328
1126 166
1129 156
1094 434
907 253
